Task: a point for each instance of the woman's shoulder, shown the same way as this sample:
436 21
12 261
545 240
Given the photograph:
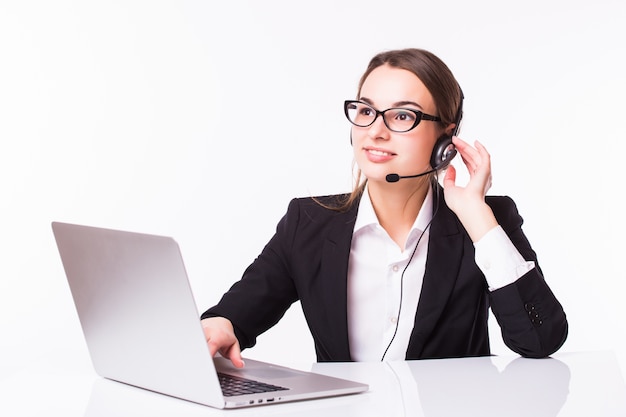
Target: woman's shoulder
505 209
497 201
501 203
330 201
311 218
323 206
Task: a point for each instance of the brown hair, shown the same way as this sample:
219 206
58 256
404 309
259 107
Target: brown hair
437 78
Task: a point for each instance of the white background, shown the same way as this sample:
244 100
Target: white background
201 120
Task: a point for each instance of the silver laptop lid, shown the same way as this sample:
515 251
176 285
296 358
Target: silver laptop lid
137 311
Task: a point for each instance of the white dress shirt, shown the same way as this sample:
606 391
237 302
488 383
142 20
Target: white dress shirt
376 283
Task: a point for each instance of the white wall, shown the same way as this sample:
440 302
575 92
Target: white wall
201 119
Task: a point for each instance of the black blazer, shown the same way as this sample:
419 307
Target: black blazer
307 260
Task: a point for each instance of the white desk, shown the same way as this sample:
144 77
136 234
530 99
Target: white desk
569 384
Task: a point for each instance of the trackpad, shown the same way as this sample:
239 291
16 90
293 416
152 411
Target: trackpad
271 373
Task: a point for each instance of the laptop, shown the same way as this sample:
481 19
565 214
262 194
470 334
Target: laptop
142 326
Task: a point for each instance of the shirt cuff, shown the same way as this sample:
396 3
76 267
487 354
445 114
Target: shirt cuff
499 259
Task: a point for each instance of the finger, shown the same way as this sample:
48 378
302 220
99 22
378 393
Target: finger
449 179
480 147
234 354
485 159
470 165
458 142
482 151
230 351
470 156
465 148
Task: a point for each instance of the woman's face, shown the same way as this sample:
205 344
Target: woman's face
379 151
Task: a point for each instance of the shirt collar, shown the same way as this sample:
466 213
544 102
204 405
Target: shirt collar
366 215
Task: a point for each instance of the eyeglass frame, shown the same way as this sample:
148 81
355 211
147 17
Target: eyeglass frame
419 115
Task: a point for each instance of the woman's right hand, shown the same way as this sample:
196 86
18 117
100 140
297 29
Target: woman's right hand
220 336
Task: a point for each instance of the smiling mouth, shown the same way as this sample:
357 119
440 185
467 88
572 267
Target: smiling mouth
379 152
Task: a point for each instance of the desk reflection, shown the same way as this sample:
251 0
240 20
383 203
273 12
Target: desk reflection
467 387
573 385
525 387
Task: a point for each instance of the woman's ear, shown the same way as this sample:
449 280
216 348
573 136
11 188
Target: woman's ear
450 129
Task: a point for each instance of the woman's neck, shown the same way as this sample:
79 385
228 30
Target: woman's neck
397 206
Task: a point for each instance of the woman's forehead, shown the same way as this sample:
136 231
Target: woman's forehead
387 86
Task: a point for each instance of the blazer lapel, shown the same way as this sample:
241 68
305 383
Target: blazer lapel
333 274
445 248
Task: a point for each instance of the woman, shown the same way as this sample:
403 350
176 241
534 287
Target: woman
400 268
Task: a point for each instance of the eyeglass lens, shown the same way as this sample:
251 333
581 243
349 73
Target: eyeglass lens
399 120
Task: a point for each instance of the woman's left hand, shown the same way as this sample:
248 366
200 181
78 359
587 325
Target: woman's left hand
468 202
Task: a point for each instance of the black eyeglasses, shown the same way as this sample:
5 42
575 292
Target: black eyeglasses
396 119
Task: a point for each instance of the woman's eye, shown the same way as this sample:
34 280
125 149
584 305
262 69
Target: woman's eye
365 111
405 116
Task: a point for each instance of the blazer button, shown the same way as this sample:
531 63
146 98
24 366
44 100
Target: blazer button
533 314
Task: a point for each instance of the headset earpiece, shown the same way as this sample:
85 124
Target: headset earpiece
444 150
443 153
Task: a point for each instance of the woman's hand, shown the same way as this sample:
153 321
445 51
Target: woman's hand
220 336
468 202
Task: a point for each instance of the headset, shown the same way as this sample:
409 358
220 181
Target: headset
444 151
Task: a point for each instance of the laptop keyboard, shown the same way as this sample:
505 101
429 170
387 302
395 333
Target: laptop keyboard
233 385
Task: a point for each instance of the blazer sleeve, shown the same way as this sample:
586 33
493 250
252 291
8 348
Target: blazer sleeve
266 290
532 321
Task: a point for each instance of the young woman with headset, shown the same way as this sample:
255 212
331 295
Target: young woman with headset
401 268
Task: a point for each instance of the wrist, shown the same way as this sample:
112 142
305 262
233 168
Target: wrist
477 220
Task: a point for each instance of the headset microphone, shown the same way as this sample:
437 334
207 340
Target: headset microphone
396 177
442 155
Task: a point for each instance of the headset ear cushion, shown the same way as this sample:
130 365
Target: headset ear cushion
443 153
